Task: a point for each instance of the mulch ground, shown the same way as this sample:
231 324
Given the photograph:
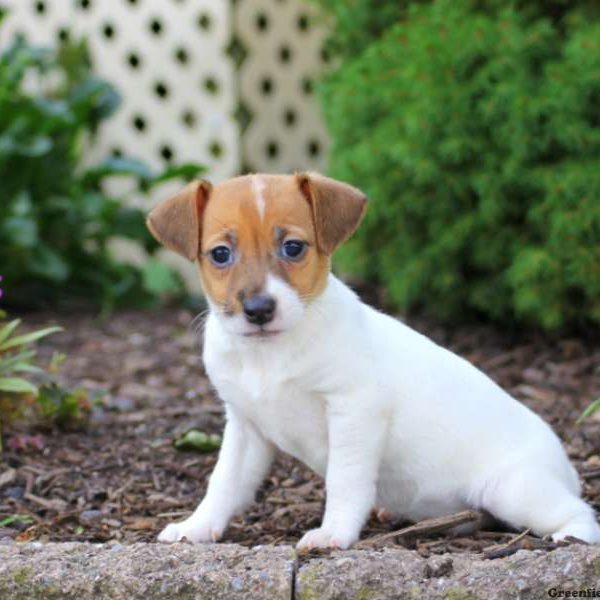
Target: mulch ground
121 478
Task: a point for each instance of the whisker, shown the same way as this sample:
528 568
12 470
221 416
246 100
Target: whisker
198 323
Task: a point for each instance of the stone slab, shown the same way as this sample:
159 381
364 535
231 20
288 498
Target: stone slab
228 571
400 573
119 572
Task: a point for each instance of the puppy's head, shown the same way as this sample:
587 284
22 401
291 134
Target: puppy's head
263 243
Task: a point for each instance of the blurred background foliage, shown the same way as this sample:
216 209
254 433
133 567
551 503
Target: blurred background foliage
56 216
474 127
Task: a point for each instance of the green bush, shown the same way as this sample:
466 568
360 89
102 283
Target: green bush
476 134
56 216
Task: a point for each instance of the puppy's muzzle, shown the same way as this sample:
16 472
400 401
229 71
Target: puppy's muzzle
259 309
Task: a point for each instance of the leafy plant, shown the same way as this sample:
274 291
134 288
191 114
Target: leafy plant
57 215
28 391
475 130
17 357
17 364
62 407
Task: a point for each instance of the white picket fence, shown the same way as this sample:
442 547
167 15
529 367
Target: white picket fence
185 95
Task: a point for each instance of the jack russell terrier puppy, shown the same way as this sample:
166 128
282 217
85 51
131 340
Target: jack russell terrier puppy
386 416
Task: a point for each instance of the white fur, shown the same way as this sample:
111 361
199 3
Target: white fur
388 417
258 187
288 313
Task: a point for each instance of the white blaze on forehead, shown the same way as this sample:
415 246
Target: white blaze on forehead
258 186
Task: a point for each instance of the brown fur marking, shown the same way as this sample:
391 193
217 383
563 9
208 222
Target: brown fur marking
193 224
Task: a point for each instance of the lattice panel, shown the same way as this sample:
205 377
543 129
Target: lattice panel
168 60
284 55
181 89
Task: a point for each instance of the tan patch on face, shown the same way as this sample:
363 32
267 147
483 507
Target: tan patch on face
254 217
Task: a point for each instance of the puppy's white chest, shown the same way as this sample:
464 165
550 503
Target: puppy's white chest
283 411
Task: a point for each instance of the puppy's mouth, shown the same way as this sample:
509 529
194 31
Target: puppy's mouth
262 333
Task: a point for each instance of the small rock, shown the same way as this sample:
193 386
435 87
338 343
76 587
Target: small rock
438 566
114 523
264 576
89 516
7 532
137 339
120 403
15 492
237 584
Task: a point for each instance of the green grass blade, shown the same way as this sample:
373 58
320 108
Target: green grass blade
14 519
17 385
7 330
27 368
28 338
9 363
588 412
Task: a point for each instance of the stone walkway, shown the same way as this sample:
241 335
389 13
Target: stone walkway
228 571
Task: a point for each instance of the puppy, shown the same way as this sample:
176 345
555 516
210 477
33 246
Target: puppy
386 416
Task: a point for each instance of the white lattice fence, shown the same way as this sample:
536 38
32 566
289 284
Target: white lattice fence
284 46
166 58
187 95
182 90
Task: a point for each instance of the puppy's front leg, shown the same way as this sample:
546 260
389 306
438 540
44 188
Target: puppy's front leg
355 445
243 462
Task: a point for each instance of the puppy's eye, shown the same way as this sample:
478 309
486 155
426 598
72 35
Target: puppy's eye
293 249
221 256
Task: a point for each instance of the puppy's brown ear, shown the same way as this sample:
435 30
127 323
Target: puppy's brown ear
337 208
176 222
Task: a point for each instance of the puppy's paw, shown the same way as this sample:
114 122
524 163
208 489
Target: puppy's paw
587 531
323 538
193 530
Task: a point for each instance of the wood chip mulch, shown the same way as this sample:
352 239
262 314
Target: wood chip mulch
122 480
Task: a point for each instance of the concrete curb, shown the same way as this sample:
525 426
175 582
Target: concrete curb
400 573
219 571
149 571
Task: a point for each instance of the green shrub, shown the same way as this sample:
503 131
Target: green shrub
56 216
476 135
359 22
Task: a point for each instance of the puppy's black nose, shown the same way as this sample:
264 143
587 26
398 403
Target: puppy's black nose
259 309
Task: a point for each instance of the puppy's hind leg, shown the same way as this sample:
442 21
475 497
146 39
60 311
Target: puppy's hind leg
539 500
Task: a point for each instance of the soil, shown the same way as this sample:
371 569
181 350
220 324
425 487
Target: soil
120 478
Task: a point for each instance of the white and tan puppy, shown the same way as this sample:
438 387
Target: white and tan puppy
386 416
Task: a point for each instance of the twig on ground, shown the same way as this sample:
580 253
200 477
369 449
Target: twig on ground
502 550
174 514
426 527
57 504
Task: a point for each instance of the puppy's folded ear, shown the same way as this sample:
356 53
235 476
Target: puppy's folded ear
176 222
337 208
